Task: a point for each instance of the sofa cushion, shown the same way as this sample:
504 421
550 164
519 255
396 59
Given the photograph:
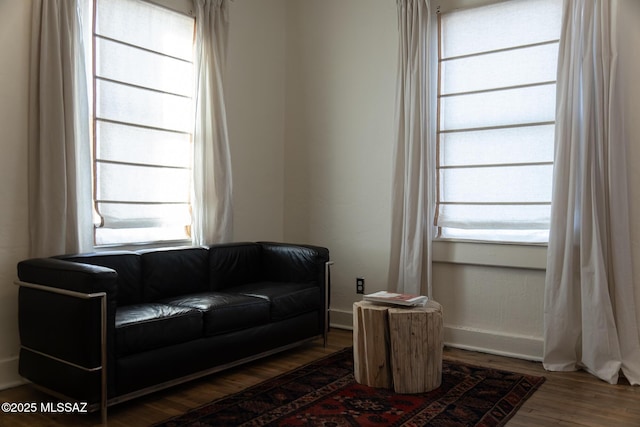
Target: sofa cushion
171 272
126 264
225 312
293 263
286 299
234 264
141 327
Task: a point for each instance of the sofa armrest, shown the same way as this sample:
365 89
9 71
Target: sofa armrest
284 262
66 318
72 276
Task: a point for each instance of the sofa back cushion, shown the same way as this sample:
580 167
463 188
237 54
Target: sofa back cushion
128 266
234 264
287 263
171 272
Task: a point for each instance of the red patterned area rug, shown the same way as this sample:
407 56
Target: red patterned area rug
324 393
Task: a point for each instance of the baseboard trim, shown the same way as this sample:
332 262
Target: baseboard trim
491 342
341 319
483 341
9 376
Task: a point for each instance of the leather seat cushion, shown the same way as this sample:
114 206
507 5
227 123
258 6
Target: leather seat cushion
142 327
225 312
287 299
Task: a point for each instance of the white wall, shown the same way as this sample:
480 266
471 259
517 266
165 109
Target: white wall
15 18
493 309
255 95
341 67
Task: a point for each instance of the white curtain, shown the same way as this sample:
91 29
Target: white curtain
59 158
590 316
212 210
414 157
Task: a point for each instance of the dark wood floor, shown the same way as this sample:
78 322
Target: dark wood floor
565 399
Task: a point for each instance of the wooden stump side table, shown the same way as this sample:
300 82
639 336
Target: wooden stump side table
398 347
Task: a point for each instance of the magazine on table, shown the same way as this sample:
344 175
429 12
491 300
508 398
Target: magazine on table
407 300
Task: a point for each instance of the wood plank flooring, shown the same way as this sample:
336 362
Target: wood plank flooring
565 399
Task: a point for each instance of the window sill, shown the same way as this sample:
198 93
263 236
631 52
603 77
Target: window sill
510 255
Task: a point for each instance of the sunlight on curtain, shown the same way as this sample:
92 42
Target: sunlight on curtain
60 218
213 212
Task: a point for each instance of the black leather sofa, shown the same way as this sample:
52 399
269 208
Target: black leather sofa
110 326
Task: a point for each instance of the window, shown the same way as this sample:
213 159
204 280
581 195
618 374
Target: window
496 111
143 122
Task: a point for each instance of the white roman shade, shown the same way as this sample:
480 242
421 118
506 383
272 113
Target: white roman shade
497 67
144 119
